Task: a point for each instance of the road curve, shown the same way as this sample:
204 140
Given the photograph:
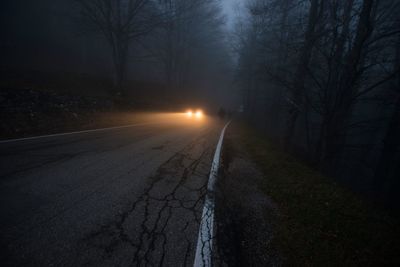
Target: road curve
128 196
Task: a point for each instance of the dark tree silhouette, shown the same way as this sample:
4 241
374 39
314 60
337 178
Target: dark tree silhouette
320 75
120 22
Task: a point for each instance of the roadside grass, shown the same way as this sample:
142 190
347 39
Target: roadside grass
319 222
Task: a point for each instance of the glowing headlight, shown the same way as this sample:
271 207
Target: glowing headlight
199 114
189 113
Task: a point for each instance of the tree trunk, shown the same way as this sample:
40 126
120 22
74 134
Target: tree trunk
344 101
300 74
387 161
120 54
332 83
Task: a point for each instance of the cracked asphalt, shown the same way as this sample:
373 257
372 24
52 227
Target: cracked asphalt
122 197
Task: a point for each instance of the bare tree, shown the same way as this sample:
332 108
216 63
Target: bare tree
120 22
190 28
297 97
334 61
340 36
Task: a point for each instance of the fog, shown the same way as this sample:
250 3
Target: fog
323 77
319 77
177 48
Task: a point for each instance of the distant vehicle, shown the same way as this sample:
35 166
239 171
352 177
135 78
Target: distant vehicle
196 114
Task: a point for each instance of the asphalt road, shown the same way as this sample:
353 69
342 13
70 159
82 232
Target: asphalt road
121 197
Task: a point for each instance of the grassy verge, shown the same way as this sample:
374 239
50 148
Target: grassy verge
320 223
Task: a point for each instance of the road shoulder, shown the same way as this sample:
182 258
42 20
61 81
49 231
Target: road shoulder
245 215
279 211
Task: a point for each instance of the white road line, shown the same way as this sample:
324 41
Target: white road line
203 255
76 132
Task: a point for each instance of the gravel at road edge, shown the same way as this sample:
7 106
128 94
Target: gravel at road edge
245 215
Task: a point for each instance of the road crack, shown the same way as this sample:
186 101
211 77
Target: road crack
167 212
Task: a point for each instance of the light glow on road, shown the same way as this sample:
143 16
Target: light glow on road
130 120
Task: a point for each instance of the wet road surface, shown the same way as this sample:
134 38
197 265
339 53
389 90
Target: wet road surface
122 197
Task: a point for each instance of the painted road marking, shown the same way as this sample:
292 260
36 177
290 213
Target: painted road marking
203 255
76 132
